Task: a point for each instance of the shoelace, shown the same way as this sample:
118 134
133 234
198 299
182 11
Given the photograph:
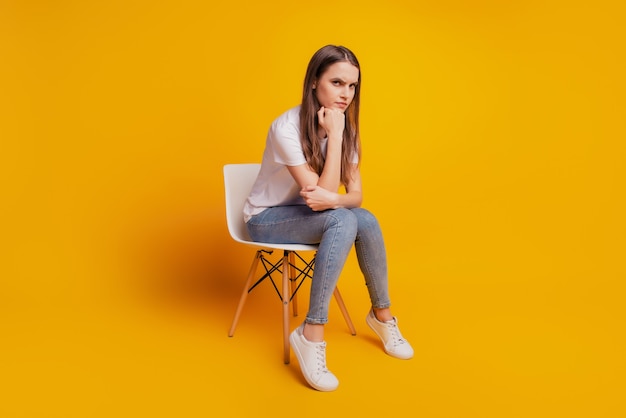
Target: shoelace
395 333
320 354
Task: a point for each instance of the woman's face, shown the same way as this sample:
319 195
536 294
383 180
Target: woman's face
335 88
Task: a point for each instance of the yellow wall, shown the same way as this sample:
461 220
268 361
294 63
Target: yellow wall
494 156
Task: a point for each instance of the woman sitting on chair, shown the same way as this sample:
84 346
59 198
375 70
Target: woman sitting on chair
312 150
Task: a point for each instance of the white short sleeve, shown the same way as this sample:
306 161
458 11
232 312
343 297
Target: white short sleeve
284 142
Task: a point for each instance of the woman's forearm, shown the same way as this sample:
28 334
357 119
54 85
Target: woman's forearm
350 200
330 179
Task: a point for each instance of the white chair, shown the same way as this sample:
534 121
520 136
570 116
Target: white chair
238 181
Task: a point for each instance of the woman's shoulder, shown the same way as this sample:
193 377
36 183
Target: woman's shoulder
289 116
288 120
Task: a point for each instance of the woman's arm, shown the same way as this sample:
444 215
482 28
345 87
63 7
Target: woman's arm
318 198
332 123
320 192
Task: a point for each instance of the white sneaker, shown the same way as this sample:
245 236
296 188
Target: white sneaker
395 345
312 359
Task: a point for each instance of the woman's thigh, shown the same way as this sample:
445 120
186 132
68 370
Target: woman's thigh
288 225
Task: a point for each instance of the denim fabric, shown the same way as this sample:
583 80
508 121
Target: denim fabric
335 231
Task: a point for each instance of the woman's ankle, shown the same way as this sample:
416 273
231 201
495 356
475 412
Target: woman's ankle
313 332
383 314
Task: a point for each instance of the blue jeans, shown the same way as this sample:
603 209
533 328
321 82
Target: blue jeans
335 231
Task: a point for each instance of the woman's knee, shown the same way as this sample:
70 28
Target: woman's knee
344 219
365 218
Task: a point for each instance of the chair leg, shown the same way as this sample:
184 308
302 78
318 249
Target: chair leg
293 284
287 290
286 282
244 293
344 311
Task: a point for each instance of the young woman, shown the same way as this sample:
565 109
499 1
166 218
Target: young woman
312 150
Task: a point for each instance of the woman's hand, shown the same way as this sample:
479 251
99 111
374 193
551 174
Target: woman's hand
333 121
318 198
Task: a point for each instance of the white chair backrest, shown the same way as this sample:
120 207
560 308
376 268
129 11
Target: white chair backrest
238 182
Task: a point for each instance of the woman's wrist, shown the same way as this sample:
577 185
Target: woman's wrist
337 201
335 138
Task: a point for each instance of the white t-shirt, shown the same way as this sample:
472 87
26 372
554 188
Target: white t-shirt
274 185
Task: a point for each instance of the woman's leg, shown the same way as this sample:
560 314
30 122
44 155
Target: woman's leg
370 251
334 230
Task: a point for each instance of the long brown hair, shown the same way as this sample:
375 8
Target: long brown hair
319 63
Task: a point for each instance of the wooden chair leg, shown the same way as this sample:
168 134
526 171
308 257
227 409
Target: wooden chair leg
286 307
244 293
292 284
344 311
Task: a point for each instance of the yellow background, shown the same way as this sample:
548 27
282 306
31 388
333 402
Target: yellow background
493 136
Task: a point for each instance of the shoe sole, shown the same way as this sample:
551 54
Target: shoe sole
292 338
